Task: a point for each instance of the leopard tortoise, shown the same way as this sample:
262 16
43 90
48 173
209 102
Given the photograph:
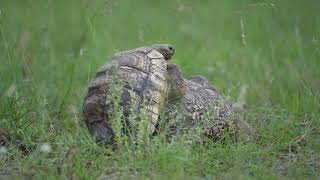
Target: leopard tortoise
143 73
195 106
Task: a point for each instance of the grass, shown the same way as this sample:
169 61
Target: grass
50 50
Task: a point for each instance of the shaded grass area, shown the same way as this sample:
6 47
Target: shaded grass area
50 50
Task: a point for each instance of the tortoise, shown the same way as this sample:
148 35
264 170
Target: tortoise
143 73
195 105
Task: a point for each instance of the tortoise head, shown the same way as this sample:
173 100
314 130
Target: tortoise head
176 82
166 50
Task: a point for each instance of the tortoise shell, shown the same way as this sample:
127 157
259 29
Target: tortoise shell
143 73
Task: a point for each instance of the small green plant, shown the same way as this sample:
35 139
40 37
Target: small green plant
132 131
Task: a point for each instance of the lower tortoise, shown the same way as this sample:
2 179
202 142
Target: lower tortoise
197 106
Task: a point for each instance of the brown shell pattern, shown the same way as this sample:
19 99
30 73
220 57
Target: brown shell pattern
143 72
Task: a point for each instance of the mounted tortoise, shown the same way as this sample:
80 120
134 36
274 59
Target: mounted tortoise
194 105
143 75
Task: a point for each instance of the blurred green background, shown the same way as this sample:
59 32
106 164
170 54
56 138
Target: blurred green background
49 51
